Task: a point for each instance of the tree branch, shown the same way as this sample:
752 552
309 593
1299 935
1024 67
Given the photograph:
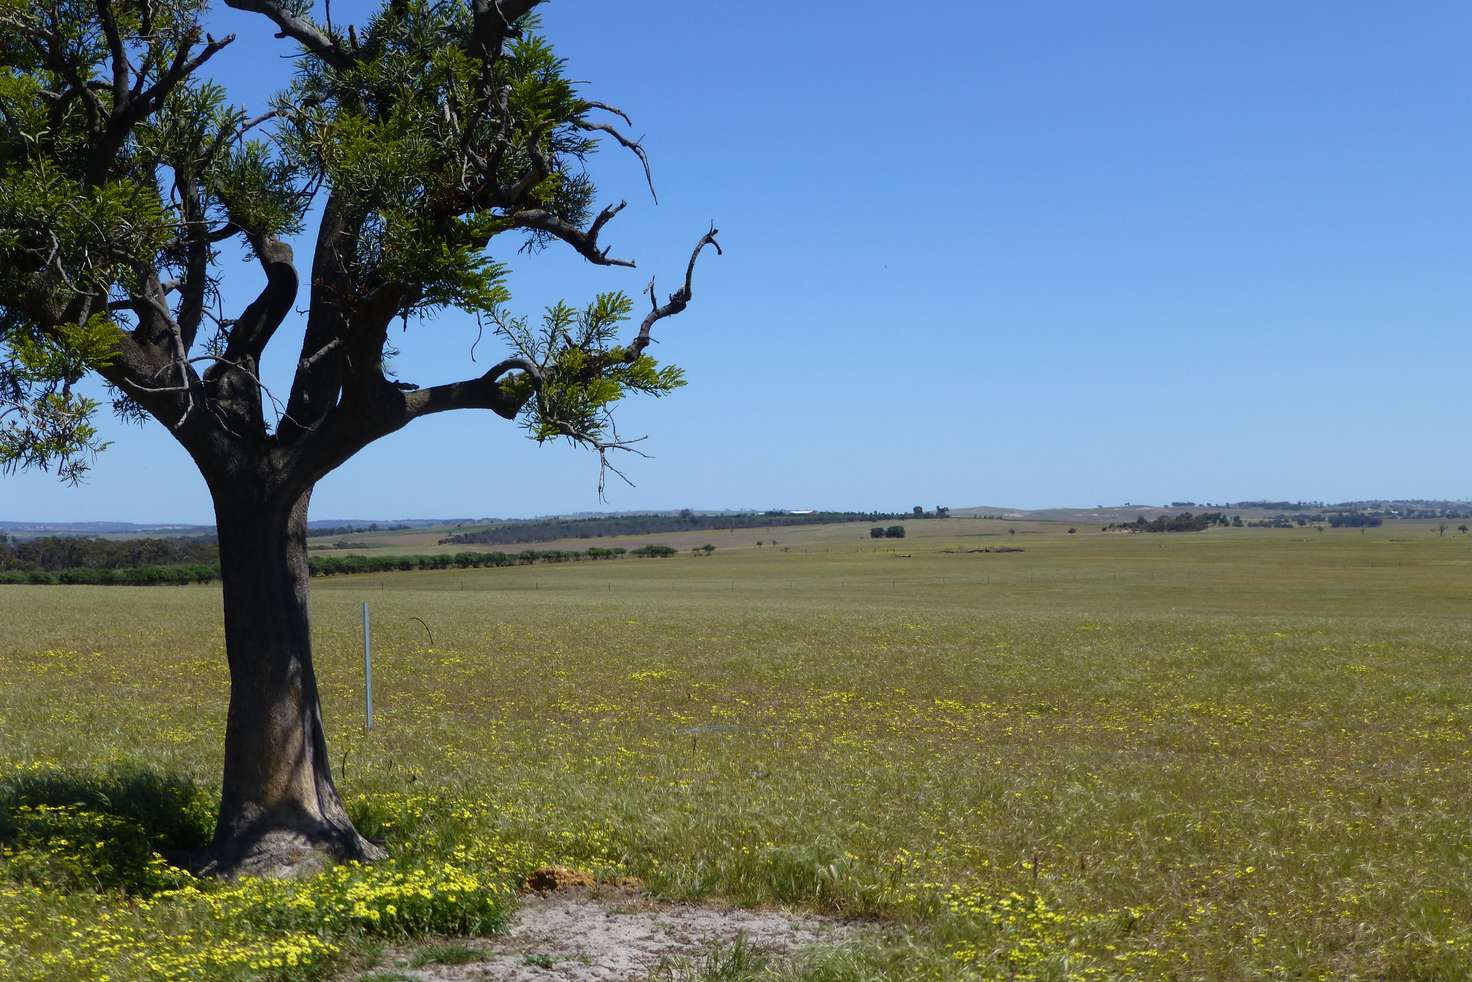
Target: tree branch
46 46
305 364
635 146
318 380
195 284
484 392
678 300
255 326
134 110
299 29
181 68
120 64
494 22
351 426
586 243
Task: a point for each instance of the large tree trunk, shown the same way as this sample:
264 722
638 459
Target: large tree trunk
279 810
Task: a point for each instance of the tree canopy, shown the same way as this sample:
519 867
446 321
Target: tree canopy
412 141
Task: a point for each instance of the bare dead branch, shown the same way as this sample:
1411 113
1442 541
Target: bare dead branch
634 146
603 448
306 364
615 110
586 243
678 300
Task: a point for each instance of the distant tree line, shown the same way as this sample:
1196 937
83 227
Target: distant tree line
101 576
548 530
57 553
1419 508
1184 522
1406 508
314 533
326 566
1279 505
1283 522
1354 520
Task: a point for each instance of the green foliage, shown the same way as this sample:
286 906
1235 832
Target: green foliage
429 152
42 421
248 181
401 130
583 370
71 239
74 552
738 962
446 954
101 854
66 834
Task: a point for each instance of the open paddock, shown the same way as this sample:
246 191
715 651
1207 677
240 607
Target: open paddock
1234 754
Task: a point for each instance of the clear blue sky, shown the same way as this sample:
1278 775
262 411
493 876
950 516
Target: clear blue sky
1053 253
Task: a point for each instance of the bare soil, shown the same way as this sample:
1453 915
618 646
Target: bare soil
605 933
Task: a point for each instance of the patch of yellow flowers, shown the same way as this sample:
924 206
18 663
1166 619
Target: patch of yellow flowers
1021 936
82 897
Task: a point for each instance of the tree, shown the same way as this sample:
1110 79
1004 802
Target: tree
413 142
918 511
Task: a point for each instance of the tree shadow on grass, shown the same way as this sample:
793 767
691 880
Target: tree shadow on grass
76 832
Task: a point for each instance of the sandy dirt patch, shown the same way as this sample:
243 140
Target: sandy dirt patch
601 936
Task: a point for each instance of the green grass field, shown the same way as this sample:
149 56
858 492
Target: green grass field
1235 754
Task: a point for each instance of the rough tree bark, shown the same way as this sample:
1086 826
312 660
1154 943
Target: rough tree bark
279 807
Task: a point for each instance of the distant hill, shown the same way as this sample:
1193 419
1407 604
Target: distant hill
508 530
553 529
28 530
135 530
1254 510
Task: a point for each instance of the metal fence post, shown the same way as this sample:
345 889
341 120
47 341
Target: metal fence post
367 671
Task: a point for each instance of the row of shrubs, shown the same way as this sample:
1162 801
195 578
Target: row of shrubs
128 576
325 566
